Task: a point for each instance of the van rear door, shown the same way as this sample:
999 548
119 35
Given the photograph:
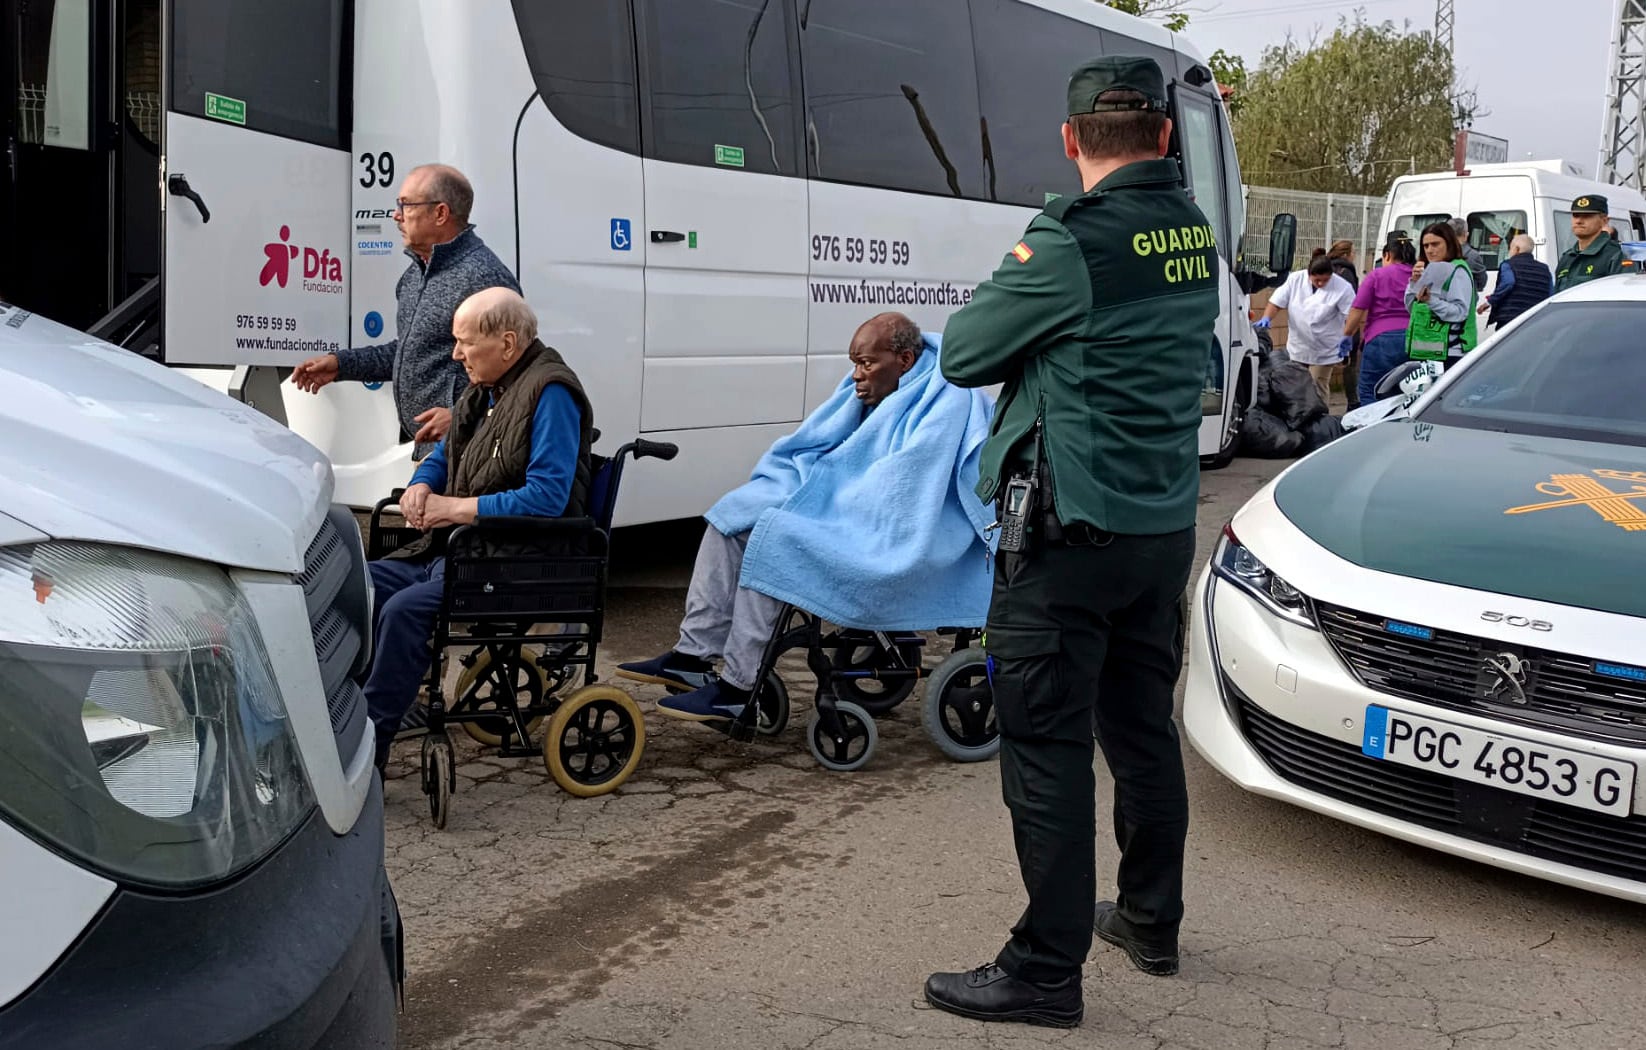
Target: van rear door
257 180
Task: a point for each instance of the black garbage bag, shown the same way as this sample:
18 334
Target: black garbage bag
1293 395
1321 432
1266 436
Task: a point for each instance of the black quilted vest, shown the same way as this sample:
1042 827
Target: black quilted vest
1533 284
489 445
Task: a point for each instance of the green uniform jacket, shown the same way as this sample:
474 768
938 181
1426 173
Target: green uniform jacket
1601 258
1100 320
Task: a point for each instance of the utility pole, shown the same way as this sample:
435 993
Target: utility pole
1443 24
1622 146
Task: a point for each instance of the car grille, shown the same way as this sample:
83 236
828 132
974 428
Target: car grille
1563 692
327 570
1596 842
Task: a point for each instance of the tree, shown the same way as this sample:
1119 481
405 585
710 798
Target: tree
1350 114
1171 12
1230 71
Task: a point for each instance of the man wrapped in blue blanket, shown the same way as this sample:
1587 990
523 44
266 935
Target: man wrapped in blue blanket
865 516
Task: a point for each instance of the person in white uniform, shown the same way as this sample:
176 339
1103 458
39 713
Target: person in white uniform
1317 303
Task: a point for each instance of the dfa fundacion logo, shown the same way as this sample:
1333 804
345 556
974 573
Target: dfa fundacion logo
322 271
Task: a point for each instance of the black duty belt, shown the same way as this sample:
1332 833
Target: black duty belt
1081 534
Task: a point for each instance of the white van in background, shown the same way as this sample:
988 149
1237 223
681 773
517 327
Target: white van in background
1503 200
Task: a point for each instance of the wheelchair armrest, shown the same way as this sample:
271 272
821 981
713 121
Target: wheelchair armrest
528 521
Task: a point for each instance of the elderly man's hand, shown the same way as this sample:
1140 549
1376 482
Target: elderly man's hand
315 373
412 503
440 511
435 422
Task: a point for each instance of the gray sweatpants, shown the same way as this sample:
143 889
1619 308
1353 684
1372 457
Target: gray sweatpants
723 619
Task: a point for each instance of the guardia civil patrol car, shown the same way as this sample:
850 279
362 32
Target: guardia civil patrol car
1436 627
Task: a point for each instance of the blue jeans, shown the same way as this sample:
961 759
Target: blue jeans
408 597
1382 354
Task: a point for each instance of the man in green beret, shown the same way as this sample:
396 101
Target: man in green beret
1097 322
1595 254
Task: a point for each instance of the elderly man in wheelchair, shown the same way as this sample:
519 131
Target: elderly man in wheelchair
519 444
864 517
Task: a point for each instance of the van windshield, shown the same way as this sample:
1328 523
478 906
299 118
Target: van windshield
1570 370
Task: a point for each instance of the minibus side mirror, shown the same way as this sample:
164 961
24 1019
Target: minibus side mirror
1283 243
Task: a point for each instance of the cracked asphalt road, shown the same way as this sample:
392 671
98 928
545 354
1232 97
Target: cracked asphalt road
737 896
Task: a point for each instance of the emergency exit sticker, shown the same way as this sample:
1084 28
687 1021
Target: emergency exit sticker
730 156
221 107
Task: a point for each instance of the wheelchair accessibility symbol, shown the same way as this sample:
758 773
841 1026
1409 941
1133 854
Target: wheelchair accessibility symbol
620 235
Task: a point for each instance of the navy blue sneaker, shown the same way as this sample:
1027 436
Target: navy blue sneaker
672 670
713 702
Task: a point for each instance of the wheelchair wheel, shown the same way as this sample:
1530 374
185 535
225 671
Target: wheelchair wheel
858 651
958 709
594 740
853 748
439 776
772 704
481 684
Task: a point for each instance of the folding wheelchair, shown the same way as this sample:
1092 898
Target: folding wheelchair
860 674
505 577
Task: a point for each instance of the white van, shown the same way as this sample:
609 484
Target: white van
702 198
191 828
1503 200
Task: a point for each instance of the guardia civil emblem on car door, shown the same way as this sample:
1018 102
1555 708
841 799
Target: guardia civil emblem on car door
1621 508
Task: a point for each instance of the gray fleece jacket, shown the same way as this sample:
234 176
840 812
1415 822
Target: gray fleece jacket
419 361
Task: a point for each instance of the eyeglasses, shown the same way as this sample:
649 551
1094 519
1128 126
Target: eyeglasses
401 204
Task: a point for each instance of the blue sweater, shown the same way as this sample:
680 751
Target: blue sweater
556 430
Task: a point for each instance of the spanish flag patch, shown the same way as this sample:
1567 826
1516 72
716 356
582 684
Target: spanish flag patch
1023 252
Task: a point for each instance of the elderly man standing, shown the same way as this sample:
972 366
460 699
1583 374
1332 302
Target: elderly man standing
1522 283
449 263
483 469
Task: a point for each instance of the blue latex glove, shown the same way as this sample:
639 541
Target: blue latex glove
1261 322
1344 345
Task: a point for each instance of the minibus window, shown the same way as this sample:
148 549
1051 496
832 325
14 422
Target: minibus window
891 96
582 59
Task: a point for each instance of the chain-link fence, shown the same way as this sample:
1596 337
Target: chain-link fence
1321 219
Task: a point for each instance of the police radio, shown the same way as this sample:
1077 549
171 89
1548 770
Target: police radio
1019 502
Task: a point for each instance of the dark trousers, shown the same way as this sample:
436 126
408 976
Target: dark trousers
1088 637
407 601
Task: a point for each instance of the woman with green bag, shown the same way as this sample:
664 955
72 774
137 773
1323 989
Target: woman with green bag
1441 297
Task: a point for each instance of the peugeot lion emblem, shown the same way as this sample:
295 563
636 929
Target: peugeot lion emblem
1508 678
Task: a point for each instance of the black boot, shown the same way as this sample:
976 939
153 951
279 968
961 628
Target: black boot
989 993
1154 956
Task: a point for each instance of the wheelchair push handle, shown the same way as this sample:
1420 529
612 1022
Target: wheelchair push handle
664 450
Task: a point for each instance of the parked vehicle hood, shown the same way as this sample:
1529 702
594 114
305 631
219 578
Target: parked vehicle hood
102 445
1544 518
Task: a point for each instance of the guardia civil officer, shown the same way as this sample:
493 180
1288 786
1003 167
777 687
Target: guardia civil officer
1097 322
1595 254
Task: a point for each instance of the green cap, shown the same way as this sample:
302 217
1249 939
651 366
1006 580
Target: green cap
1590 202
1117 73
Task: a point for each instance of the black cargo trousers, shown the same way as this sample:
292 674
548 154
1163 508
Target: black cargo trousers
1086 634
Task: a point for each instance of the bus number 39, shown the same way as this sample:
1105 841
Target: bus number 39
827 247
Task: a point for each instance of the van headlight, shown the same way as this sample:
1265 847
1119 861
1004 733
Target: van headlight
140 727
1235 562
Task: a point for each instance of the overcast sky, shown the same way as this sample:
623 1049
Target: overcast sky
1539 67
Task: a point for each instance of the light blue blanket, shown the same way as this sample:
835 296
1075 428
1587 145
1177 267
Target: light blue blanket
873 524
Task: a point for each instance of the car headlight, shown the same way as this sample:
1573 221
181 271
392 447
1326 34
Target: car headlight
140 727
1234 562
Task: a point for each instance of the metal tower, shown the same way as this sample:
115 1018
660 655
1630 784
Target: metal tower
1623 139
1443 24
